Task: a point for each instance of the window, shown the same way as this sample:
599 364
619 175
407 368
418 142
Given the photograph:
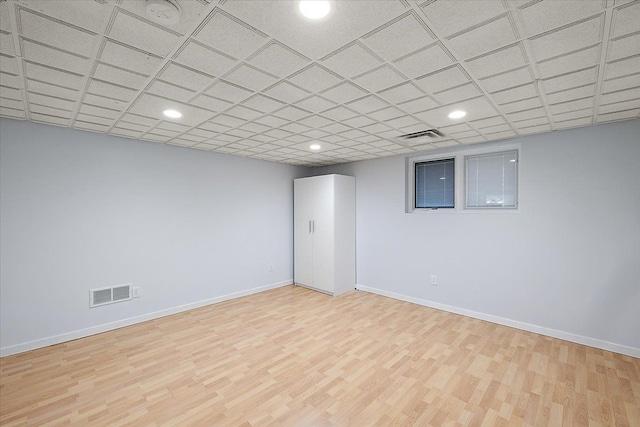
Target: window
434 184
491 180
463 179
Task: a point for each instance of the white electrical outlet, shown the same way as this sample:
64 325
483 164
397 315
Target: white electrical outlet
135 292
434 280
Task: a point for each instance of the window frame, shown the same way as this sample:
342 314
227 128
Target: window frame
415 183
466 179
460 179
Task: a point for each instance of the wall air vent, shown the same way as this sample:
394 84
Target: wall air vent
103 296
431 133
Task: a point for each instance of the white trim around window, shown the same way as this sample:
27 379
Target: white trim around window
460 197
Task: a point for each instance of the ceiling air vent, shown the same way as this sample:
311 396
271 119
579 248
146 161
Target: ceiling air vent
431 133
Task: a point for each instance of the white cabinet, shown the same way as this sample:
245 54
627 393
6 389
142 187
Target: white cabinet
324 233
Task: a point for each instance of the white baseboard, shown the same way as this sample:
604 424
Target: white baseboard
567 336
81 333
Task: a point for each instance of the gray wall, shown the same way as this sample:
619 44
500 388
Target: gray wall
568 260
81 210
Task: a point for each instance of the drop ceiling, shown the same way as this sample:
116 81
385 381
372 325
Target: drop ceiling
255 79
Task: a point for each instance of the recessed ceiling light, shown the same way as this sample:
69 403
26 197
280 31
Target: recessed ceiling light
314 9
457 114
173 114
315 147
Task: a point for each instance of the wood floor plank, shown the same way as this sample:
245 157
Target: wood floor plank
291 356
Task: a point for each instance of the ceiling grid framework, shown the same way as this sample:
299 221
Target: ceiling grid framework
255 79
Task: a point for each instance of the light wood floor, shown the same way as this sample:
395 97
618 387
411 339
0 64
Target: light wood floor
295 357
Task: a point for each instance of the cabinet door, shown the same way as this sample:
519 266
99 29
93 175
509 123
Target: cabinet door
303 238
323 234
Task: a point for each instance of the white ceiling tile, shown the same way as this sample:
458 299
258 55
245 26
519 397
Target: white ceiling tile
6 44
344 92
90 15
279 60
379 79
315 121
401 93
507 80
130 58
102 101
213 127
499 135
570 62
291 113
622 68
621 83
243 112
418 105
132 126
229 121
585 121
182 76
352 61
95 110
569 81
51 90
623 95
250 77
625 19
55 58
286 92
94 127
43 118
294 127
314 79
10 93
135 32
488 122
263 103
526 115
624 47
460 93
97 87
10 80
575 93
118 76
443 144
498 61
228 91
534 129
56 33
496 129
386 113
568 39
490 36
578 104
339 113
170 91
12 103
8 65
402 122
376 128
358 122
398 38
89 118
315 104
335 128
621 106
205 59
424 61
454 129
128 133
210 103
515 94
546 15
573 115
367 104
353 134
442 80
230 36
525 104
152 106
50 75
271 121
452 17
